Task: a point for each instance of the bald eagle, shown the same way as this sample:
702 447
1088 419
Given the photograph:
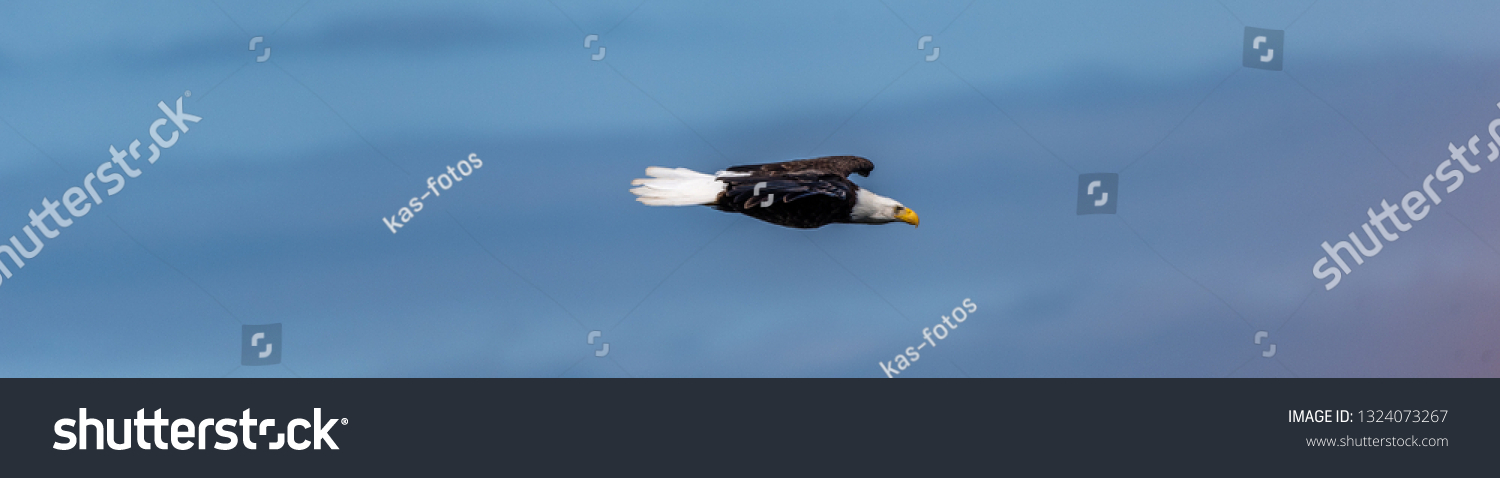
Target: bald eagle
807 193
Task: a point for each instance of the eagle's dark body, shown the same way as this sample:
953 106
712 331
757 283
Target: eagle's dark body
805 194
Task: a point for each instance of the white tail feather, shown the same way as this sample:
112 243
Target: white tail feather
677 187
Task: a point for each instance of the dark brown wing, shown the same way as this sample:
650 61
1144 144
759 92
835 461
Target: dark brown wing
840 165
802 200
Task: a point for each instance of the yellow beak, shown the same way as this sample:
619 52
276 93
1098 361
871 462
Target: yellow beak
907 216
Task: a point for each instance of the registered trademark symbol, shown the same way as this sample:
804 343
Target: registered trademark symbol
187 93
344 421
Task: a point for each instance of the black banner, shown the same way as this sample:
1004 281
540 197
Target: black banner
713 427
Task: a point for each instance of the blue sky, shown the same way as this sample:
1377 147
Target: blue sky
268 210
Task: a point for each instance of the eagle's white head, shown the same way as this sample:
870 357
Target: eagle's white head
871 208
